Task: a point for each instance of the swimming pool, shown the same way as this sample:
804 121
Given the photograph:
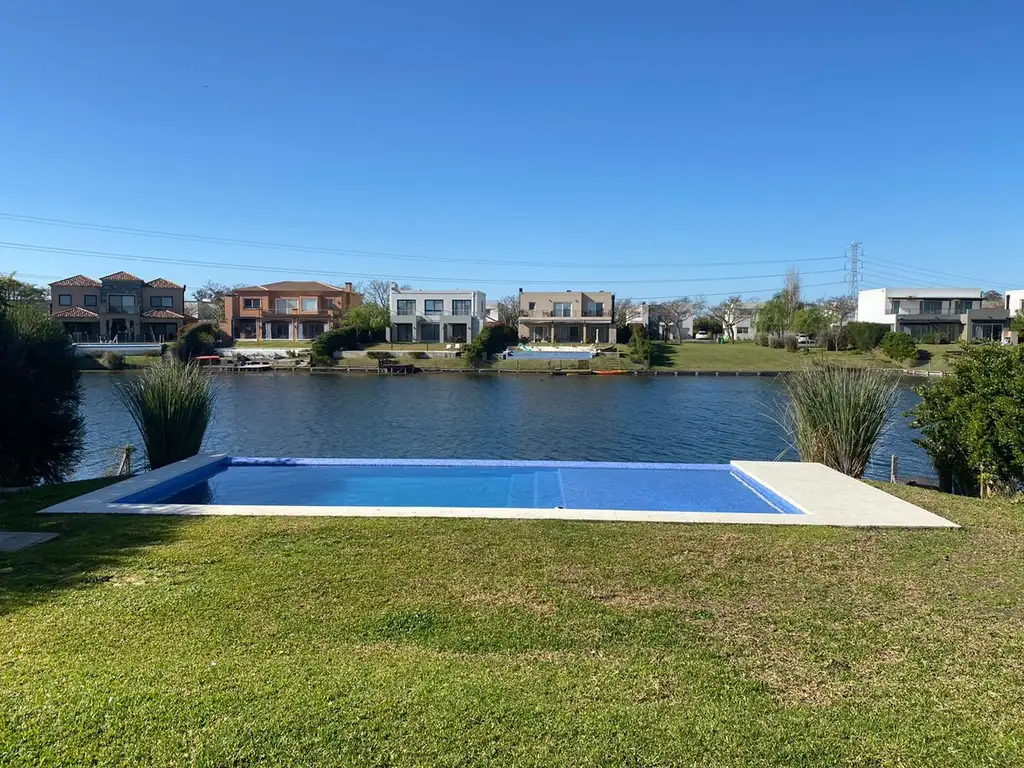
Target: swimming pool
491 484
548 355
739 492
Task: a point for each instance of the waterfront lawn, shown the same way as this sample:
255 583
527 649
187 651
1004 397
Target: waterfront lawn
344 641
131 362
243 344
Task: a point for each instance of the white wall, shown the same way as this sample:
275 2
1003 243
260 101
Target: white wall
871 307
1014 301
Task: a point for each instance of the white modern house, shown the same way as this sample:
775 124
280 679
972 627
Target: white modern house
952 313
436 316
1015 302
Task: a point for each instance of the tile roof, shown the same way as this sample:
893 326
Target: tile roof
122 277
162 283
76 312
165 314
312 286
78 280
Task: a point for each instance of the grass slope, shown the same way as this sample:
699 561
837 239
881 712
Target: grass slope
362 642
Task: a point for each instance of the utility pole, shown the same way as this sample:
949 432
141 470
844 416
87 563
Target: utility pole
853 254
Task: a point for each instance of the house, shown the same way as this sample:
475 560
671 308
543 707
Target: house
572 317
436 316
745 321
951 313
118 307
662 325
1015 302
492 313
289 310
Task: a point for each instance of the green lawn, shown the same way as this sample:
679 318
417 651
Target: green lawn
241 345
388 642
90 363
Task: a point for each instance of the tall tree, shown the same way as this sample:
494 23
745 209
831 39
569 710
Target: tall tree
992 299
730 313
510 310
214 293
674 314
12 289
379 292
791 293
367 318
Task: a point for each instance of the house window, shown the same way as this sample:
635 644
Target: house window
895 307
403 332
461 306
561 309
742 330
595 309
123 303
962 306
161 301
406 307
309 304
532 305
430 332
433 307
91 300
251 303
64 299
931 307
286 306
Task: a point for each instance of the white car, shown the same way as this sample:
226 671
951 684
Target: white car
702 336
804 340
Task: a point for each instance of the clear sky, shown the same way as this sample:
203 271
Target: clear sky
651 148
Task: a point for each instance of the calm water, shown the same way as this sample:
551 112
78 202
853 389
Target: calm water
676 419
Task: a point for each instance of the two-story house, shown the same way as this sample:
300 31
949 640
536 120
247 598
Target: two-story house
951 313
436 316
118 307
571 317
289 310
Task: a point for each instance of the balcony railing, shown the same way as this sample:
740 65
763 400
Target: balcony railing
943 308
530 313
595 313
293 312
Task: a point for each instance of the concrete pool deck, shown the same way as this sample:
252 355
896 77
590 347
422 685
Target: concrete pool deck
825 497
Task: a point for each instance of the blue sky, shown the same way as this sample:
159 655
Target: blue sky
651 148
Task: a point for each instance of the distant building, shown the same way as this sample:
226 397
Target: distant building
1015 302
118 307
492 313
290 310
569 317
951 313
436 316
202 310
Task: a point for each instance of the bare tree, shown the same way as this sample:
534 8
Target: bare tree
377 292
791 293
627 313
729 313
510 310
836 312
674 314
213 294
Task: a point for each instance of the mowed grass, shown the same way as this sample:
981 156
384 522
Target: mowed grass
387 642
747 356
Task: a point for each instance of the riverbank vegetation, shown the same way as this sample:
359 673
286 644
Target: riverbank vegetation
163 641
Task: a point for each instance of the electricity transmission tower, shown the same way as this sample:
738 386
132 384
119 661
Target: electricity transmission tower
853 254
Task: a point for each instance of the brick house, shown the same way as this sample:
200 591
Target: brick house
118 307
290 310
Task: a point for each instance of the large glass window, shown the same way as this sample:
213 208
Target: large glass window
403 332
933 307
165 302
64 299
461 306
406 307
895 307
286 306
430 332
962 306
595 309
125 303
561 309
91 300
251 303
309 304
433 306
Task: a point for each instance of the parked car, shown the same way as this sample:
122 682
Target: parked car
804 340
702 336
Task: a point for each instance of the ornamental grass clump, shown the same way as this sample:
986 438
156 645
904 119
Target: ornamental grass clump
834 415
171 403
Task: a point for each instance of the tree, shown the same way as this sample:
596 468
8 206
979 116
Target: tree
214 292
899 347
640 347
772 316
14 290
791 293
367 318
1017 323
837 311
674 314
626 313
709 325
810 319
41 431
972 421
379 292
509 311
729 314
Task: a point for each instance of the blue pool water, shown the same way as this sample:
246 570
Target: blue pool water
549 355
536 485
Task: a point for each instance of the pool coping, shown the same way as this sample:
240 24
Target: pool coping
825 497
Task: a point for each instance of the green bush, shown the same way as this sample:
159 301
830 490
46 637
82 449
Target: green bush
171 403
899 347
41 430
112 361
198 339
761 339
326 344
491 340
866 336
792 345
836 414
640 347
931 338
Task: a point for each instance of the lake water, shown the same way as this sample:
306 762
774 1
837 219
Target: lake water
622 418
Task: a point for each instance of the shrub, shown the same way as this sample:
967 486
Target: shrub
866 336
931 338
899 347
326 344
761 339
972 421
640 347
491 340
112 361
198 339
836 414
775 342
792 345
171 403
41 430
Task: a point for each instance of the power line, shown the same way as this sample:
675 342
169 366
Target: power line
747 291
293 270
269 245
915 274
